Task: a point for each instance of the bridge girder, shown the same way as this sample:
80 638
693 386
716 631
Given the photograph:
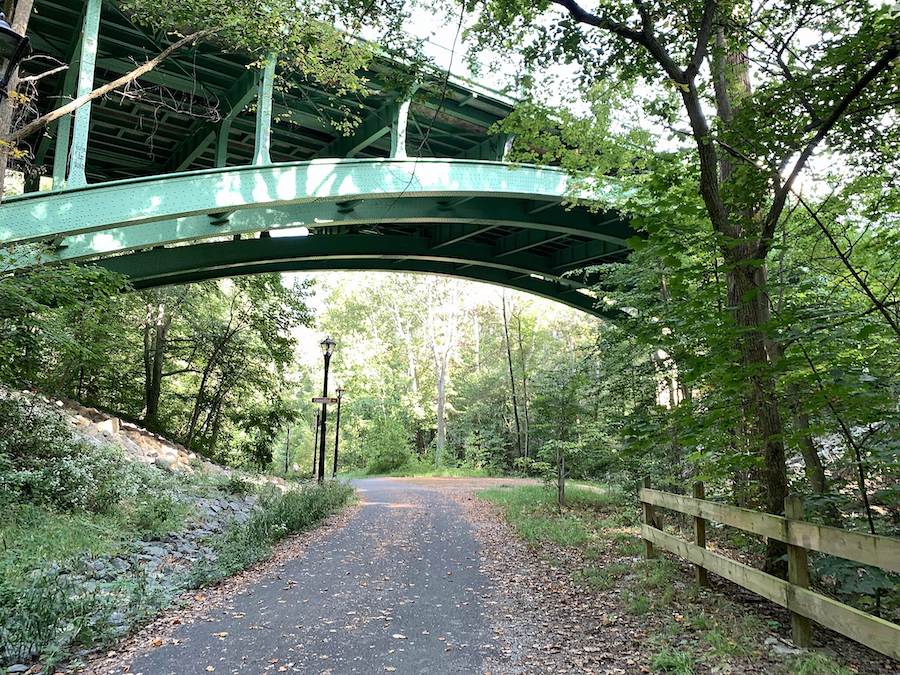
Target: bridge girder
173 266
173 219
474 219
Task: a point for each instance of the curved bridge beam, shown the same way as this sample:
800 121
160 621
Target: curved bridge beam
179 265
488 221
437 217
50 216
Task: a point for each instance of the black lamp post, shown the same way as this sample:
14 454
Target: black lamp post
327 350
13 48
337 431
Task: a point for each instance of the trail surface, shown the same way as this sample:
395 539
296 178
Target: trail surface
397 589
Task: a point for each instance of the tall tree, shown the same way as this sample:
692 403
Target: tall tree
512 377
750 146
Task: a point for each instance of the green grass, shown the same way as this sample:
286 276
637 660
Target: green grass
32 535
282 514
600 578
422 471
532 510
817 664
696 629
673 661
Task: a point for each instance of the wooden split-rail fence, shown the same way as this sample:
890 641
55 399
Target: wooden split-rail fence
800 536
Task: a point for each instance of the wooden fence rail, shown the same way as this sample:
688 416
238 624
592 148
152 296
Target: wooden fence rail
801 536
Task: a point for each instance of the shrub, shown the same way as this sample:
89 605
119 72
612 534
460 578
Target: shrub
672 661
41 462
50 611
281 515
386 444
236 485
156 515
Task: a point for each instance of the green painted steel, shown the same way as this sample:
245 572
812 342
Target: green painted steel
201 134
433 217
372 128
47 216
398 129
222 142
263 143
159 263
64 125
161 267
86 65
165 207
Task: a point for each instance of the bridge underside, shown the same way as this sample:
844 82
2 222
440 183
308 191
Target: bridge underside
486 221
421 185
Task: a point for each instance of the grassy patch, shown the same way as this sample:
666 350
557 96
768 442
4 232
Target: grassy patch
600 578
423 470
532 510
281 515
689 629
31 535
817 664
673 661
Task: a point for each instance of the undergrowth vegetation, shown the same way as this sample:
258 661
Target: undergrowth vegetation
690 630
282 514
76 521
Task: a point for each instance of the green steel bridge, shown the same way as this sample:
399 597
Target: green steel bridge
156 187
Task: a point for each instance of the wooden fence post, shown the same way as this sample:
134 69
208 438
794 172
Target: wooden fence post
798 574
649 518
700 575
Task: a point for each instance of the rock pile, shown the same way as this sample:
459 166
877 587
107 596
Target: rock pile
139 444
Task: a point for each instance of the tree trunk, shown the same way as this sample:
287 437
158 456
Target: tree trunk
406 335
441 439
815 471
512 380
560 478
216 428
198 402
746 295
524 364
155 339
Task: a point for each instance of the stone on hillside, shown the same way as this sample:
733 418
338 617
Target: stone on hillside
780 648
109 426
116 619
17 668
166 462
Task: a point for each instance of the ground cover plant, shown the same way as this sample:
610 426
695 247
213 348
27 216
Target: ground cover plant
690 630
92 544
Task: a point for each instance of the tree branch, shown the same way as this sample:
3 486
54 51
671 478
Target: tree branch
583 16
73 105
827 125
852 270
46 73
703 37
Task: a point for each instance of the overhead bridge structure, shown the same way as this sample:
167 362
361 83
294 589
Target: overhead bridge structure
154 186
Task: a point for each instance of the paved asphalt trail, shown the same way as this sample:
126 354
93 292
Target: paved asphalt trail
406 564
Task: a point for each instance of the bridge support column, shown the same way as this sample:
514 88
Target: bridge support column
82 123
261 153
222 142
62 130
399 120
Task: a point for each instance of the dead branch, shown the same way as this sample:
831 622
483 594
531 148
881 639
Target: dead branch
44 120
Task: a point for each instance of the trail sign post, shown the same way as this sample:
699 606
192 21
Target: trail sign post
337 431
329 400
